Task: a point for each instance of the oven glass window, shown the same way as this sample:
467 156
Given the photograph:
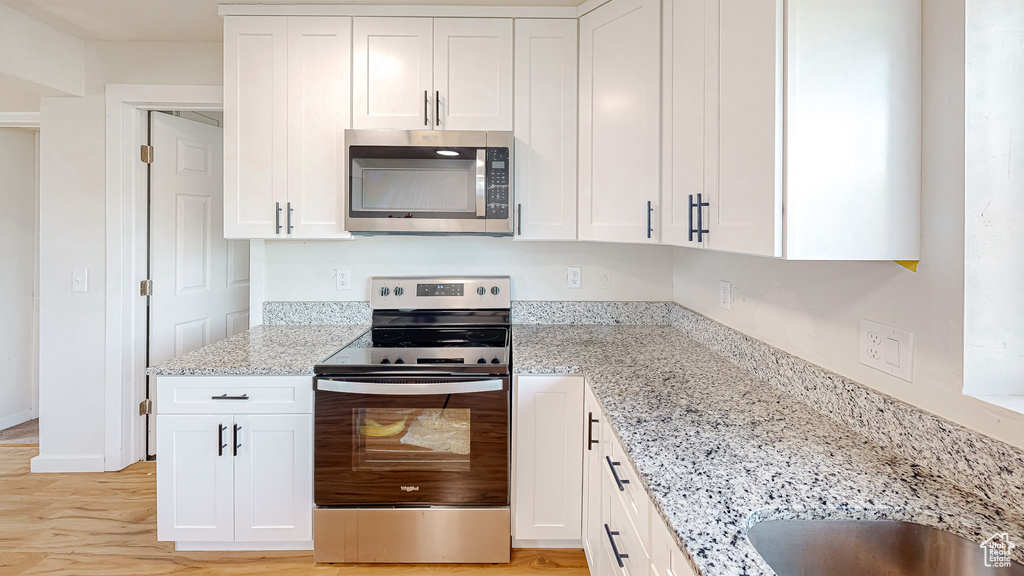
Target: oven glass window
412 439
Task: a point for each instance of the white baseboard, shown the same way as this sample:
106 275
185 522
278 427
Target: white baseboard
547 543
51 464
247 546
16 419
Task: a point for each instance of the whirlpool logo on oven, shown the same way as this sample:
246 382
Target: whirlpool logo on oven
410 488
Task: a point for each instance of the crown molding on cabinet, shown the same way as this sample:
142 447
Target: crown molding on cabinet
396 10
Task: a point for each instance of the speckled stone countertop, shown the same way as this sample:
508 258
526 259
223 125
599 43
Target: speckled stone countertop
262 350
720 450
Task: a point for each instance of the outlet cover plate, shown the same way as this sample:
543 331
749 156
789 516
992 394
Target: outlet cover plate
574 277
888 349
343 279
725 295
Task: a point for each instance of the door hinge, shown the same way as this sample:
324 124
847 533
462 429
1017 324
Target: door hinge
146 288
145 407
147 154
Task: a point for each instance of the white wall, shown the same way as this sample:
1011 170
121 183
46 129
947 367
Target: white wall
994 275
72 235
812 310
17 283
39 54
305 270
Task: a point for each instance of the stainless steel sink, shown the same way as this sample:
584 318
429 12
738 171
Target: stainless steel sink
869 548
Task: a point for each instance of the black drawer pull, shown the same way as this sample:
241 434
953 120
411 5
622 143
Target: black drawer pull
615 550
590 431
618 481
235 439
226 397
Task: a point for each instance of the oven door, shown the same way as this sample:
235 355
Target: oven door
411 441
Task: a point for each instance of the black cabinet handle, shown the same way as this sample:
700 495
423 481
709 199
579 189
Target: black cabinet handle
590 431
290 227
277 217
426 108
226 397
437 108
235 439
519 219
220 439
620 482
700 204
689 215
649 210
615 549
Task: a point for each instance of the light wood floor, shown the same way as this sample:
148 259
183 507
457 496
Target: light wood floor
105 524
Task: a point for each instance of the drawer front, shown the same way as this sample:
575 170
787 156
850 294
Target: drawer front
631 491
667 559
234 395
620 531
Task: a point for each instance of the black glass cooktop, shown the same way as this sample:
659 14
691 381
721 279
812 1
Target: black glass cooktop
438 348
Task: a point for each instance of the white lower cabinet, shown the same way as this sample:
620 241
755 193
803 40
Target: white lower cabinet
548 458
622 532
228 477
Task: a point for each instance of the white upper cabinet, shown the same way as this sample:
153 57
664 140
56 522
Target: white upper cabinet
255 124
808 147
545 129
432 73
392 74
620 102
318 114
286 107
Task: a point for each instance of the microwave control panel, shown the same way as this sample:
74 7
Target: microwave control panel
497 183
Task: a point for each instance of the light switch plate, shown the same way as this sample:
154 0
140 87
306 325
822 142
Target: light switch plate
80 280
888 349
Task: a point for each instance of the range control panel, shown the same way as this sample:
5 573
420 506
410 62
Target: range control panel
440 293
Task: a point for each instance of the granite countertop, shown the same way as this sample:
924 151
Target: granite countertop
719 450
262 350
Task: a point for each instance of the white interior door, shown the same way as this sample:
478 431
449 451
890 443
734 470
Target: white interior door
200 280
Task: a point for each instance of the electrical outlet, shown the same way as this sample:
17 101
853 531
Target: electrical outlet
343 279
574 277
725 295
888 349
80 280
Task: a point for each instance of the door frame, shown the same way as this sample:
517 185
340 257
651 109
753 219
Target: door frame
127 256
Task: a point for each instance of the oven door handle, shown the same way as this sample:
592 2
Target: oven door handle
410 389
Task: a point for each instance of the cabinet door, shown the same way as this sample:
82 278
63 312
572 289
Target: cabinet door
255 124
549 457
620 100
319 88
592 525
666 557
744 157
473 73
274 477
392 74
684 111
194 478
545 129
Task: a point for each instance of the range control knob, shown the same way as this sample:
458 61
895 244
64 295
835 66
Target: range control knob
385 361
482 360
495 290
385 291
399 290
494 361
481 290
399 361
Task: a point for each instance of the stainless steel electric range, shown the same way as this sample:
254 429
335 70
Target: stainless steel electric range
411 428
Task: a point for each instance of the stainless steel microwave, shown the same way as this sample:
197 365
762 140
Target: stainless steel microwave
428 182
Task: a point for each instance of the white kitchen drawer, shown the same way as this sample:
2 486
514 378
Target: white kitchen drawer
620 529
634 498
234 395
666 557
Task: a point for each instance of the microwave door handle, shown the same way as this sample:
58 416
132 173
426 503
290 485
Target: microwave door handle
481 182
410 389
